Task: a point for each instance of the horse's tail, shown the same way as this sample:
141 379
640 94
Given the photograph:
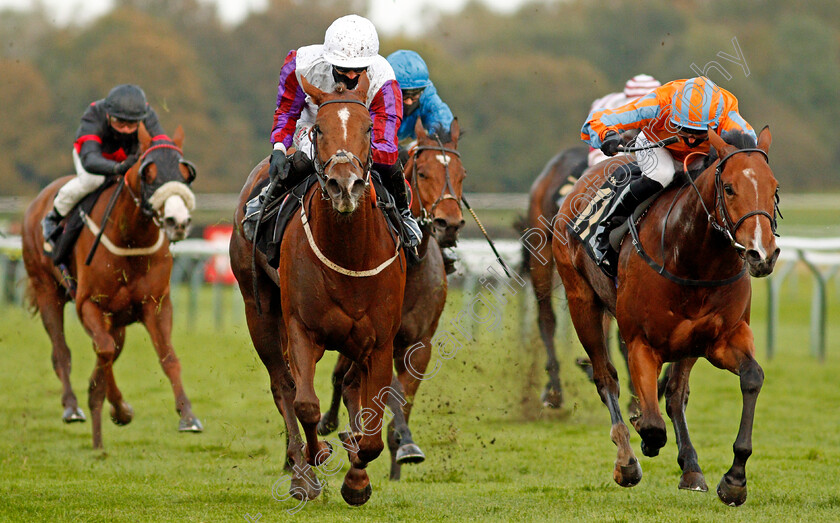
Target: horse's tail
521 225
30 304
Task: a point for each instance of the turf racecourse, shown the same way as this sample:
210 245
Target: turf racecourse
493 453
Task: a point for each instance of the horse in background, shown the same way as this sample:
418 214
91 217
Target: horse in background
436 176
685 295
127 280
339 286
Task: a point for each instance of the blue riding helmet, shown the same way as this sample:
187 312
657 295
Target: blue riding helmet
410 69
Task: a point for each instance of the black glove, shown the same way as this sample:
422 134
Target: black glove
123 167
610 144
278 164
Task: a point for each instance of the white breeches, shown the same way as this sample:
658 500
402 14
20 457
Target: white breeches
73 191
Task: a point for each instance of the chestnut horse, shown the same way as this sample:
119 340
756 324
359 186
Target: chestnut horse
127 280
436 176
684 296
339 286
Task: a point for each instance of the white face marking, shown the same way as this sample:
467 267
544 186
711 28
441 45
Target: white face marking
176 208
344 115
442 158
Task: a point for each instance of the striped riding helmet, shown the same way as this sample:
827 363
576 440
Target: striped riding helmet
697 105
640 85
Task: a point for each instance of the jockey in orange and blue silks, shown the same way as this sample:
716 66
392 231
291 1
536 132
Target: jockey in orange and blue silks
685 108
420 98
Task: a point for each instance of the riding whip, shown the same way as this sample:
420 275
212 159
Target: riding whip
108 210
492 246
661 143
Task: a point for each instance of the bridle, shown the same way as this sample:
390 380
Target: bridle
322 171
142 200
446 193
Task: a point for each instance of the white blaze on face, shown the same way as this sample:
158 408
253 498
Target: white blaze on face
442 158
344 115
176 208
757 246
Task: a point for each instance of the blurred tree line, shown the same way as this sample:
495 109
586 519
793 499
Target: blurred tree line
521 84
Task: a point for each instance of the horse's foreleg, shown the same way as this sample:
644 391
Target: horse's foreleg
410 366
121 412
303 355
591 324
98 327
541 276
51 303
676 400
329 420
644 371
157 317
739 358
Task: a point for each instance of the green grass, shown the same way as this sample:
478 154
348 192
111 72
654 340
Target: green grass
493 452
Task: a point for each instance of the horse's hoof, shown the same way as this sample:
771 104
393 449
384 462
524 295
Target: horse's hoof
653 439
410 453
693 481
191 424
73 415
551 398
123 416
356 497
327 425
732 495
628 475
303 490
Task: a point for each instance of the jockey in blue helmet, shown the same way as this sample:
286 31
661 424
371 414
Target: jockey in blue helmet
420 98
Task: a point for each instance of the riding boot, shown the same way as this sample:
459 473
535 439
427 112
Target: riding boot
392 178
450 258
51 226
300 166
622 207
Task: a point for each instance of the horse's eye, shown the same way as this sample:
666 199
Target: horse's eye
421 174
728 190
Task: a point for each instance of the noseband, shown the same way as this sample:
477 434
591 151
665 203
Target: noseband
426 218
322 171
142 200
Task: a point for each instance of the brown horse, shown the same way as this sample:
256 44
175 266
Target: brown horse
698 305
340 286
436 176
127 280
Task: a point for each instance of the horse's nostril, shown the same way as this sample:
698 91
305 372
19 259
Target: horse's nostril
440 223
753 255
169 221
358 186
332 186
461 224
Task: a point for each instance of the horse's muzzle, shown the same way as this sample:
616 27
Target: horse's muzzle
759 265
345 192
176 220
446 230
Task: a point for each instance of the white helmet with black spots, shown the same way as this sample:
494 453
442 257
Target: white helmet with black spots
351 42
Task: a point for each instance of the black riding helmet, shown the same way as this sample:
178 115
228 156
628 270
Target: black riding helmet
127 102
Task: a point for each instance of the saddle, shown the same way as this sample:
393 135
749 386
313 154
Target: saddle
74 223
279 211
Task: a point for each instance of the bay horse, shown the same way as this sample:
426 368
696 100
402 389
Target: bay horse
127 280
683 294
436 176
339 286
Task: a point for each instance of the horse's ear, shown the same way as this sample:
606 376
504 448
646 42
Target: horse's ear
455 132
764 139
720 146
144 137
363 85
178 137
419 130
316 94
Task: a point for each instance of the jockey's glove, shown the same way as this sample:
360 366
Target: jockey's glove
277 167
609 145
122 167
